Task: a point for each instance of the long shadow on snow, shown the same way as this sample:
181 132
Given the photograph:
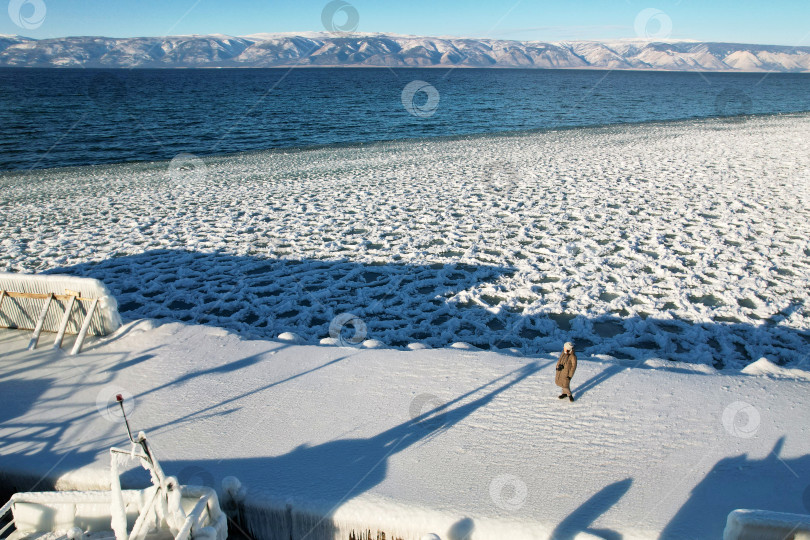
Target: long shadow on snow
311 482
233 366
436 304
581 519
771 483
262 297
36 452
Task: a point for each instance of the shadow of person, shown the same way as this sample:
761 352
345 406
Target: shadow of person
581 389
615 369
580 519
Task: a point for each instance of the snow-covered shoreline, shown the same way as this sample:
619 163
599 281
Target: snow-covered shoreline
674 255
683 241
412 442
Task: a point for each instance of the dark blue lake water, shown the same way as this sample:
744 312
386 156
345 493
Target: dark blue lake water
57 117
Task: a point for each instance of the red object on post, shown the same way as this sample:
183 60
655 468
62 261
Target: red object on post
119 397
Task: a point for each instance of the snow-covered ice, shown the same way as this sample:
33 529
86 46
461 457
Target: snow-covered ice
327 439
380 272
682 241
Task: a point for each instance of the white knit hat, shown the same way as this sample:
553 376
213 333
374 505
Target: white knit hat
568 346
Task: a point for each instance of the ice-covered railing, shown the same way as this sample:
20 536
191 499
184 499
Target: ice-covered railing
203 521
57 303
165 510
765 525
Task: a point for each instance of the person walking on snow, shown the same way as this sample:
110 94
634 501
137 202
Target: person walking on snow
566 366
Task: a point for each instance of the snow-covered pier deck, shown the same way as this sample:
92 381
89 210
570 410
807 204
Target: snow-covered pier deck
448 441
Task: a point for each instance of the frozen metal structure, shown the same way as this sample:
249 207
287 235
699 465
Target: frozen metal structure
59 304
766 525
165 510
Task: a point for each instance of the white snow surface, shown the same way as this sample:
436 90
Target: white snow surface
684 241
458 443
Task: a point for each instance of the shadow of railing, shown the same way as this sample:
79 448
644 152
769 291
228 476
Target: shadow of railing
582 519
404 303
773 483
325 475
297 494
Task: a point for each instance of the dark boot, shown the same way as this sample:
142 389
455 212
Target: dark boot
563 396
570 397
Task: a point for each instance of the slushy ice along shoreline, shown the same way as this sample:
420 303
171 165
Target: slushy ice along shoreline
682 241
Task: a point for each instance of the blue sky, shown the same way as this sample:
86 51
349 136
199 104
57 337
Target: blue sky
782 22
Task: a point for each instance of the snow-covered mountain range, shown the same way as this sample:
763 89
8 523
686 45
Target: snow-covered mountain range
325 49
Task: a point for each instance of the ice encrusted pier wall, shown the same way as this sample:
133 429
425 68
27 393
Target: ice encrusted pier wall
284 521
369 518
364 522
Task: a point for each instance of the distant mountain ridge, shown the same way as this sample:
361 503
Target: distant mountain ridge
388 50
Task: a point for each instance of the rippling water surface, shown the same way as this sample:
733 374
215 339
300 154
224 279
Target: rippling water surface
58 117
